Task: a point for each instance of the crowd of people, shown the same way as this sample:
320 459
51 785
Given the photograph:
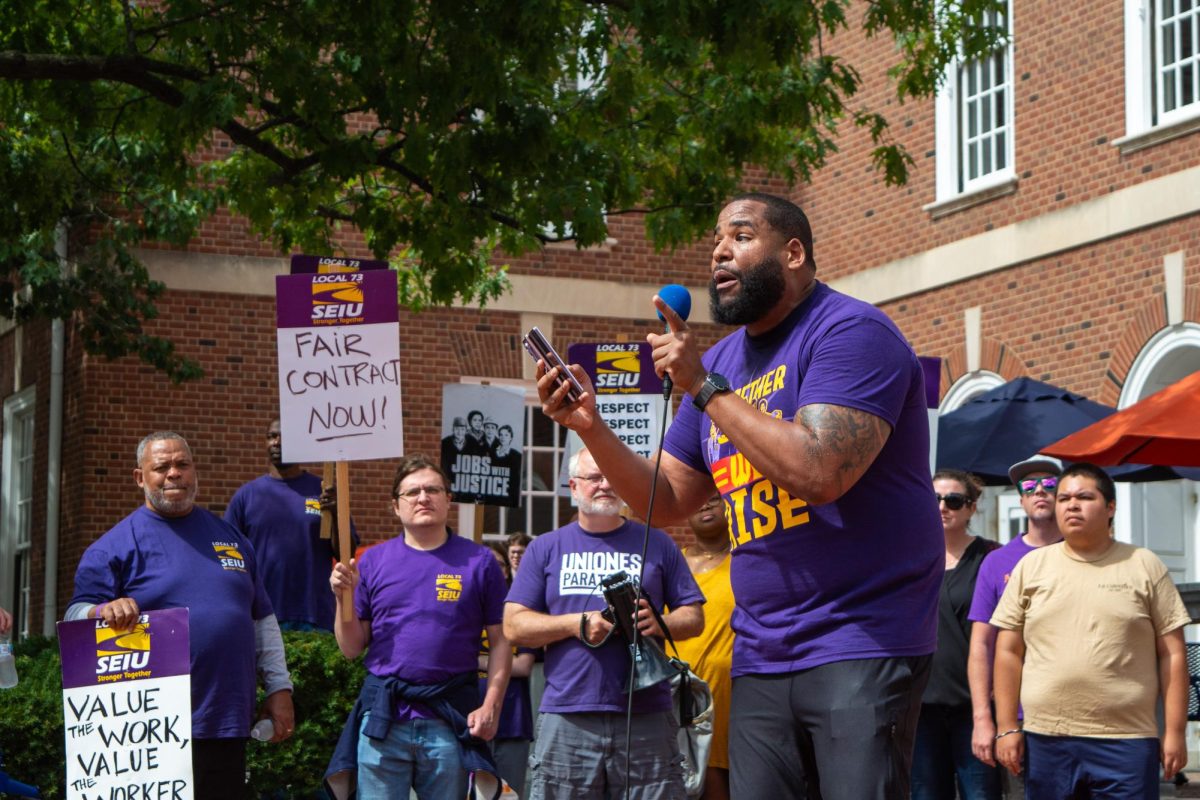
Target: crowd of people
859 640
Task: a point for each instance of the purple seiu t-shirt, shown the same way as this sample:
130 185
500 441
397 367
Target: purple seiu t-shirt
426 609
993 577
855 578
282 519
560 574
203 564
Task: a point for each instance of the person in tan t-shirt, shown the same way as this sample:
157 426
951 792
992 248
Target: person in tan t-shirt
1091 629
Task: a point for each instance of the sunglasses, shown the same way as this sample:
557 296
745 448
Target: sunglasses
1049 483
954 501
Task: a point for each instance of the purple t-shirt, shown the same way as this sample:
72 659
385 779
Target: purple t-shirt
426 609
993 577
200 563
855 578
560 574
282 519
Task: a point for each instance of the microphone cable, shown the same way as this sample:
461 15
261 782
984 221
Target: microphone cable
637 634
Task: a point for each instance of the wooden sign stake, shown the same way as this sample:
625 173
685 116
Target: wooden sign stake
344 543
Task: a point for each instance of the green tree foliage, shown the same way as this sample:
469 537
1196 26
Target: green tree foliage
440 131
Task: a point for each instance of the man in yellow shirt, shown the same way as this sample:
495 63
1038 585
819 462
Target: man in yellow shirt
1091 628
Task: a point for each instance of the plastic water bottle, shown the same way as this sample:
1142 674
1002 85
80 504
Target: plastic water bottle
8 664
263 730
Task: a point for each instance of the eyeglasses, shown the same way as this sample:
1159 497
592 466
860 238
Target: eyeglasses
414 493
954 501
595 480
1049 483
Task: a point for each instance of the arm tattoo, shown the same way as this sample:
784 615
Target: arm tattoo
845 439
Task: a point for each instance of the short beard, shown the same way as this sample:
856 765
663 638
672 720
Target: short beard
761 287
602 507
169 508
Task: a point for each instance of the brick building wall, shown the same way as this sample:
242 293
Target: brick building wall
1076 315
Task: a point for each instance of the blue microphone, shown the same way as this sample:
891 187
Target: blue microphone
679 299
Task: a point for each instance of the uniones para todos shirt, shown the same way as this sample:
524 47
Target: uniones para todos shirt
855 578
560 574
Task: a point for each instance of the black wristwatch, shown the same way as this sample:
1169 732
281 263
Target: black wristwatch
713 383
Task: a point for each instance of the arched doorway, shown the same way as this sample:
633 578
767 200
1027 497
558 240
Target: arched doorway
1162 515
994 513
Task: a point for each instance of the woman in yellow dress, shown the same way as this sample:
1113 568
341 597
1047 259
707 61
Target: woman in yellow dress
711 653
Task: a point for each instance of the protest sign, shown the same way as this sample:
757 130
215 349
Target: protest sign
628 392
301 264
483 432
338 340
127 708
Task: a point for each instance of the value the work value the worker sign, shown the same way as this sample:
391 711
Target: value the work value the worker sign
339 366
127 707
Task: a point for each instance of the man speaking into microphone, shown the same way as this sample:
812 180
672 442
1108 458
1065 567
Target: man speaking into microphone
810 421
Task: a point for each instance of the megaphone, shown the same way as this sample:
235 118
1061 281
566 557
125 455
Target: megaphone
650 664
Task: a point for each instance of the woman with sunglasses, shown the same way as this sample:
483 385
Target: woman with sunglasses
942 757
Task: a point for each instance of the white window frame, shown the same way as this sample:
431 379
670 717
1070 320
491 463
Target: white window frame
1142 90
16 502
948 137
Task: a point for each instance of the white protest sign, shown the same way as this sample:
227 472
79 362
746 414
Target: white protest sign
127 708
338 341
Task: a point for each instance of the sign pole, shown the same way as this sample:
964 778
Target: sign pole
343 511
327 480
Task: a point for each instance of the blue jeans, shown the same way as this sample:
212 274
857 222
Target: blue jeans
942 757
420 754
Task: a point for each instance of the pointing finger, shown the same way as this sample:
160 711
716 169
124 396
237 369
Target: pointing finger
674 321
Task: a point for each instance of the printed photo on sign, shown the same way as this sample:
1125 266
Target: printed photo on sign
483 428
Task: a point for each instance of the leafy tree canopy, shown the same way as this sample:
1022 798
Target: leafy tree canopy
441 131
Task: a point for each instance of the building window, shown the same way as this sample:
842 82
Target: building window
1176 63
16 533
974 130
1162 63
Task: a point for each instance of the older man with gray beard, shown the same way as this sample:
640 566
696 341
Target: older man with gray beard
555 602
169 553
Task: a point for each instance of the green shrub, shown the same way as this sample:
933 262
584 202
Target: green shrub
31 719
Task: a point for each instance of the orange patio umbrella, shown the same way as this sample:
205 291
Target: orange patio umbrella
1162 429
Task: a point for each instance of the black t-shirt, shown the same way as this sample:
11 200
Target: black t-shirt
948 680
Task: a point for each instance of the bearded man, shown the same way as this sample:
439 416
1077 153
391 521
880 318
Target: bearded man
555 602
170 553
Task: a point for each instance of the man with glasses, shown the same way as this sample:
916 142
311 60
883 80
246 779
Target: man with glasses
1036 480
555 602
420 602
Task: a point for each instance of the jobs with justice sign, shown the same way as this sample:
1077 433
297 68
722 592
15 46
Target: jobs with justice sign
127 707
339 366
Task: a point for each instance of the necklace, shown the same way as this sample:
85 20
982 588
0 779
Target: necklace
707 554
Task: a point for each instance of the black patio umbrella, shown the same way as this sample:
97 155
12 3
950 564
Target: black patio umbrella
998 428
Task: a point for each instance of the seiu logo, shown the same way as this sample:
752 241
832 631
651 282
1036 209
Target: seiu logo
616 380
125 661
229 557
449 588
339 311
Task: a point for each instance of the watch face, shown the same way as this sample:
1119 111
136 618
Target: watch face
719 382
